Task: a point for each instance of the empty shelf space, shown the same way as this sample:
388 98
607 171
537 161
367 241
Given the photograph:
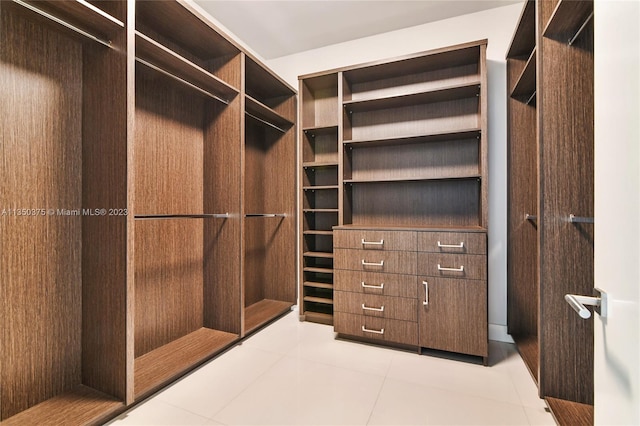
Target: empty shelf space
457 177
82 404
320 187
153 53
525 86
321 254
568 19
80 14
314 299
317 232
315 284
167 362
462 91
318 270
262 312
318 317
414 139
262 112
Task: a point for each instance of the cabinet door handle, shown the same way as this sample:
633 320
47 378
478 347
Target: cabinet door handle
367 330
460 269
426 293
380 287
372 243
368 308
365 263
461 245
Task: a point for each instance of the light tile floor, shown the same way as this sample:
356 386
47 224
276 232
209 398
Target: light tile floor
297 373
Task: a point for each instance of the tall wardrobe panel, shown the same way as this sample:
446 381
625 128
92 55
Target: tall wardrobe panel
61 254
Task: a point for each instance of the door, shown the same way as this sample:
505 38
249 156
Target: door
617 211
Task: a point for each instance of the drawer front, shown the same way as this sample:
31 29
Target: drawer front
453 242
394 262
373 305
374 240
383 329
467 266
375 283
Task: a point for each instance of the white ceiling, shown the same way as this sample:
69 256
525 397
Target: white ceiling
279 28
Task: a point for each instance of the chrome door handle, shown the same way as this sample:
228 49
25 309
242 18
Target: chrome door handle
367 330
365 263
426 293
368 308
460 269
379 287
578 303
372 243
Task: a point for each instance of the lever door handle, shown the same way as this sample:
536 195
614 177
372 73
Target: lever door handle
577 302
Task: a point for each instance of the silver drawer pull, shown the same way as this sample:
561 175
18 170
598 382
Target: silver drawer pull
380 287
368 308
460 269
372 243
365 263
366 330
461 245
426 293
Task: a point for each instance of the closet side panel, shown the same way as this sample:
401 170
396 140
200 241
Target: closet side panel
104 251
40 258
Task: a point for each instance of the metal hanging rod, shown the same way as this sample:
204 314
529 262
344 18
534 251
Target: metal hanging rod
530 217
175 77
579 219
265 122
40 12
265 215
184 216
533 95
577 34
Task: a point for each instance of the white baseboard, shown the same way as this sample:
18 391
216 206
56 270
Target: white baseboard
499 333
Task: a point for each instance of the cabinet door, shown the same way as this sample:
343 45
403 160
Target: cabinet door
453 315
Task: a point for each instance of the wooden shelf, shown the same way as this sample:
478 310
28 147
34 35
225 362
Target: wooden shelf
262 312
320 210
394 180
525 87
319 270
319 317
154 53
308 164
166 363
568 19
82 15
317 232
81 405
318 254
321 130
415 139
315 284
323 300
451 93
320 187
569 413
392 227
524 38
265 113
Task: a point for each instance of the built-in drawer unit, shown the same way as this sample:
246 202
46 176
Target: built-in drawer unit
383 329
375 240
375 283
467 266
453 242
377 306
396 262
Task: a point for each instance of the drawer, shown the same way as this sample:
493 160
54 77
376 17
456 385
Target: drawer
453 242
374 283
395 262
383 329
399 308
374 240
469 266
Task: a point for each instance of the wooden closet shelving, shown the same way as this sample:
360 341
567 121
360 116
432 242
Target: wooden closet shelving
133 135
550 177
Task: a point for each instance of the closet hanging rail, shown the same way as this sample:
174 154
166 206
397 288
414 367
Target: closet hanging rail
579 219
577 34
175 77
265 122
184 216
65 24
265 215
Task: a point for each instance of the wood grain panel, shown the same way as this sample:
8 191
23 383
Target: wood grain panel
419 161
471 242
388 330
319 101
260 313
474 266
168 281
567 413
566 187
169 147
320 145
394 262
395 285
455 318
41 291
222 237
391 240
415 204
398 308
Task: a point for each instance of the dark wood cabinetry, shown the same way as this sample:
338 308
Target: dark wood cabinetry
550 193
149 200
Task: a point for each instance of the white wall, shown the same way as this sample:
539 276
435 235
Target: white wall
496 25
